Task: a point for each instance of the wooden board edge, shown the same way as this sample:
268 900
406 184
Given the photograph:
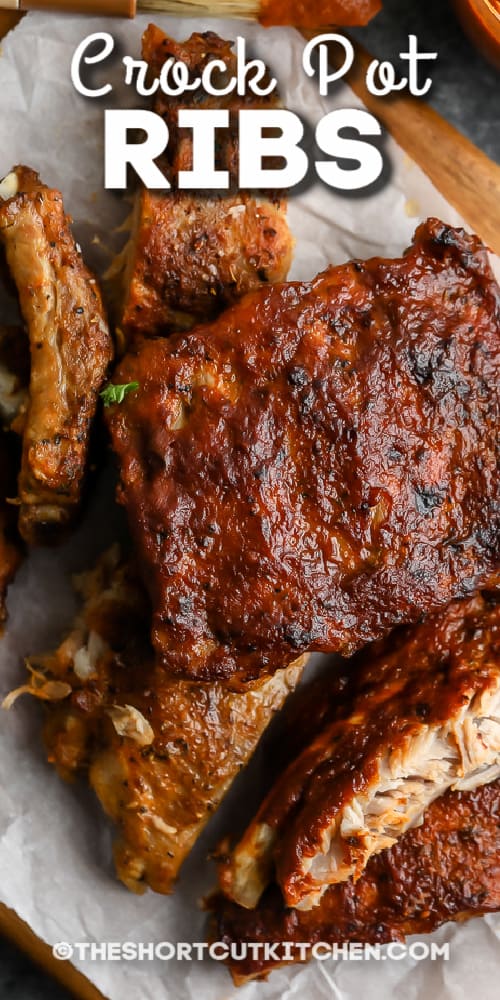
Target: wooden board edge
8 21
21 934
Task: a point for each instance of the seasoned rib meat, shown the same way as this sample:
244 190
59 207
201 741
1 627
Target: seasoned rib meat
320 463
314 13
160 753
70 350
189 256
446 869
420 714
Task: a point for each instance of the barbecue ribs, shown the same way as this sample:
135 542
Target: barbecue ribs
70 351
416 716
318 465
160 753
446 869
190 256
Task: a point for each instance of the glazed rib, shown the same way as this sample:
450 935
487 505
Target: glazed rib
318 465
419 715
70 351
160 753
190 256
446 869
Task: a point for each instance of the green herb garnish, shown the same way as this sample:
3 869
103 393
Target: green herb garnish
116 393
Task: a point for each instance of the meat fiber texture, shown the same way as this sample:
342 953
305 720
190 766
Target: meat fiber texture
55 845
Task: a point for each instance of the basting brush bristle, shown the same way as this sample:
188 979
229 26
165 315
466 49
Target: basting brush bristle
200 8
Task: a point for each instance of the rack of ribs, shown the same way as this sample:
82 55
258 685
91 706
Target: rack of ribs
320 463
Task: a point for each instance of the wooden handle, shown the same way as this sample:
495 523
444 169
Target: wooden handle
464 175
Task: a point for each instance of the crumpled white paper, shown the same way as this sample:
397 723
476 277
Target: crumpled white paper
55 843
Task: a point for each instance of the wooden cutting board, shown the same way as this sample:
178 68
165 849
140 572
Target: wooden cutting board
471 183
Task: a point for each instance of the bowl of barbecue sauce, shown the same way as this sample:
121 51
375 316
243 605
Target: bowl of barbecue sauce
481 20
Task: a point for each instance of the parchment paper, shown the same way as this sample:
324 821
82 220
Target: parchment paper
55 845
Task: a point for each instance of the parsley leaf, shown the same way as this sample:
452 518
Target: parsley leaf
116 393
